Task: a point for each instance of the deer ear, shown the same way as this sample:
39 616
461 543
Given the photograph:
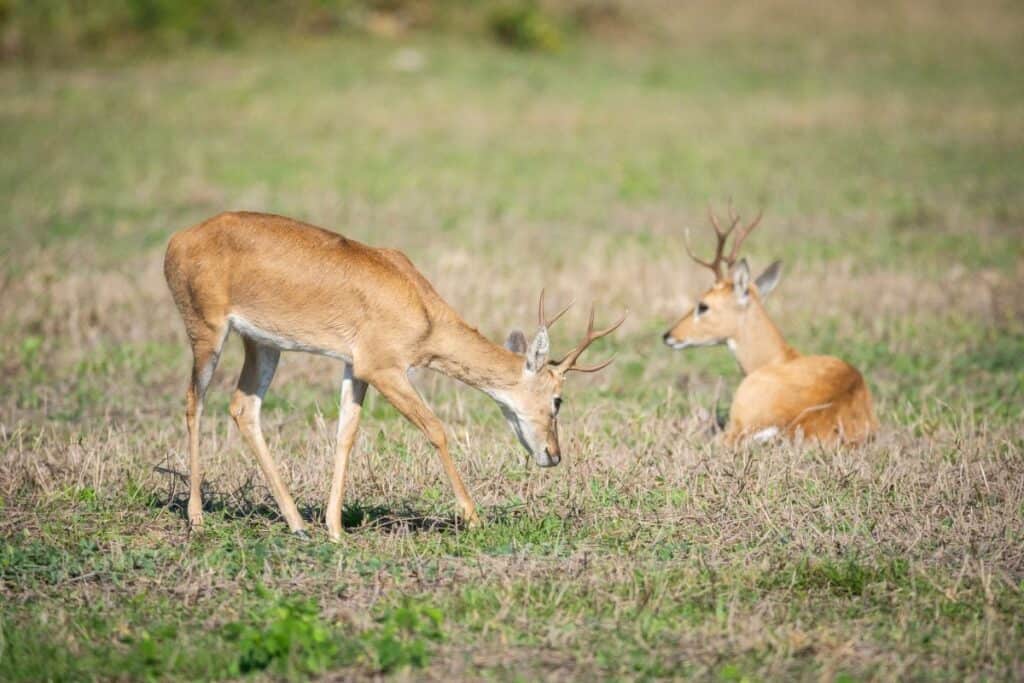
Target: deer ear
767 280
741 281
516 342
537 354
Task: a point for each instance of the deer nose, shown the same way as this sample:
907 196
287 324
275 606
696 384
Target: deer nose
667 338
554 456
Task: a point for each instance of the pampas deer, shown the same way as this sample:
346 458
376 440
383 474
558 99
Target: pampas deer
783 393
283 285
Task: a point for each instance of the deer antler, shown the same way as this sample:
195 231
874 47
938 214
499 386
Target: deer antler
542 319
569 362
721 238
740 236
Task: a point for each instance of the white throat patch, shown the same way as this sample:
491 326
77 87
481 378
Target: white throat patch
520 425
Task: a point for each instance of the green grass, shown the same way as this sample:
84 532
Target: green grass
886 150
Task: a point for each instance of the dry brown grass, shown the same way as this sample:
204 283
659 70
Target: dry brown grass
941 490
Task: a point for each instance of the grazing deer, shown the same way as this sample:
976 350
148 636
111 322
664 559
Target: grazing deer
283 285
785 393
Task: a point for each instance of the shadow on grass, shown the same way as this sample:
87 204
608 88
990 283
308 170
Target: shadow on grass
246 502
402 519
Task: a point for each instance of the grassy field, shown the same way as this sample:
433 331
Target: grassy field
887 149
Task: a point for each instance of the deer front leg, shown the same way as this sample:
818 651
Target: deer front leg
396 388
353 391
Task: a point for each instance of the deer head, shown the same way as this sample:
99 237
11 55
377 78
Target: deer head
531 406
719 312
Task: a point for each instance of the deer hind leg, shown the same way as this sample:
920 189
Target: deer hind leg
257 373
396 388
206 348
353 391
734 433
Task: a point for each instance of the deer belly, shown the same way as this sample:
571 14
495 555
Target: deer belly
267 336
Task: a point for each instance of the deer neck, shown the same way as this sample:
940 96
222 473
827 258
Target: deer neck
461 352
759 342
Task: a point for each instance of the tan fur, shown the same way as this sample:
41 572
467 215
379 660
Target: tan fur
817 397
820 397
287 285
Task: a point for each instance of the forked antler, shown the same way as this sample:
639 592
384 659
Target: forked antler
737 241
542 319
569 362
721 238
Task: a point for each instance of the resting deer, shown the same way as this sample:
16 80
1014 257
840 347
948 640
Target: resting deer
818 397
283 285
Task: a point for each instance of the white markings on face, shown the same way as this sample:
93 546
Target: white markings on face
676 344
516 420
522 429
700 309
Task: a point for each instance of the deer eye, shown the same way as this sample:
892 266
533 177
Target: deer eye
702 308
557 402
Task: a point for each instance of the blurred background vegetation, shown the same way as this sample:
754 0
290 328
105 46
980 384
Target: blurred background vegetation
63 29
